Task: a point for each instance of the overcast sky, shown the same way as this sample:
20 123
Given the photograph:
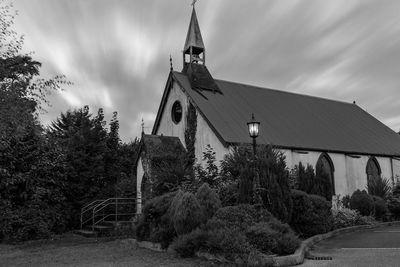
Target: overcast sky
117 52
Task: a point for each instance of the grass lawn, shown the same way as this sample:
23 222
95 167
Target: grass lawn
74 250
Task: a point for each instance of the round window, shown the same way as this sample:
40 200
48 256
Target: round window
176 112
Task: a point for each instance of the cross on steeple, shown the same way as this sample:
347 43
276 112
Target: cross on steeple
194 2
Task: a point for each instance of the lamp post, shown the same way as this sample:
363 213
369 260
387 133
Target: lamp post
253 127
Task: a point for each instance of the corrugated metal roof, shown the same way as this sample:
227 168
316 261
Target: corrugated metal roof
290 120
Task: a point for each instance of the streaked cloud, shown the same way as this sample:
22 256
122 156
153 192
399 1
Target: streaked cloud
117 52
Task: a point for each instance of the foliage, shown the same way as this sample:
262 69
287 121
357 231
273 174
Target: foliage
47 175
381 208
190 137
188 214
362 202
154 217
269 240
171 175
273 177
396 190
315 183
231 243
188 244
394 207
345 217
346 201
239 217
379 187
208 174
262 237
208 200
311 214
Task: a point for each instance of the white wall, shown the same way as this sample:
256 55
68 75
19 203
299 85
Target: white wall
396 170
204 134
167 126
350 172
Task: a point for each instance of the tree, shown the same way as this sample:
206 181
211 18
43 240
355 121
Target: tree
31 170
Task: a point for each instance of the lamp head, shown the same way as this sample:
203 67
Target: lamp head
253 127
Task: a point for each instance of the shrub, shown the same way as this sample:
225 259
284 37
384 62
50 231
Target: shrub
361 201
228 192
379 187
273 175
240 216
346 201
208 200
187 215
381 208
174 203
287 244
316 183
344 218
396 190
263 237
394 207
311 214
275 239
230 243
154 222
187 245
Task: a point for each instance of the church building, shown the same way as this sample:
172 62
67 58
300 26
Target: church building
347 142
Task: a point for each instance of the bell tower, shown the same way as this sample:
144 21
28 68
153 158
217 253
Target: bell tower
194 50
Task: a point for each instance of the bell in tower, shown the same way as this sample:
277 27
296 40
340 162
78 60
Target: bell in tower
194 51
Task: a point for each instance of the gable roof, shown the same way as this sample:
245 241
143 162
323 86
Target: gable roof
160 147
290 120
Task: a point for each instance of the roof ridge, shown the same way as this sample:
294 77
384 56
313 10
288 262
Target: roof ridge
285 92
280 91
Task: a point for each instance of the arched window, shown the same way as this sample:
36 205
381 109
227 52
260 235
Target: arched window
373 170
324 171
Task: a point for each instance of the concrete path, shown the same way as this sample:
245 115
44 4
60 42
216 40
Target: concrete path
373 247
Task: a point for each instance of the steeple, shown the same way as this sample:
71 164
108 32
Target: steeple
194 50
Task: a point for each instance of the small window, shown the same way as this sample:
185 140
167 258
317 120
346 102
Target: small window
176 112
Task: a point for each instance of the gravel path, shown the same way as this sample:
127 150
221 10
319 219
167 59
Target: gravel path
77 251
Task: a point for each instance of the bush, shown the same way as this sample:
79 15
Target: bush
188 214
263 237
287 244
311 214
240 216
230 243
361 201
394 207
273 176
228 192
396 190
187 245
208 200
381 208
347 217
379 187
346 201
154 223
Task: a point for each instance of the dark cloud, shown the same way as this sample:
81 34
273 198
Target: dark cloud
117 52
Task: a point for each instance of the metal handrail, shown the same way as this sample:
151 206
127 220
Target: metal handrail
87 208
106 203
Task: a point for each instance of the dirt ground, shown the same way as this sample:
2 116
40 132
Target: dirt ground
74 250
